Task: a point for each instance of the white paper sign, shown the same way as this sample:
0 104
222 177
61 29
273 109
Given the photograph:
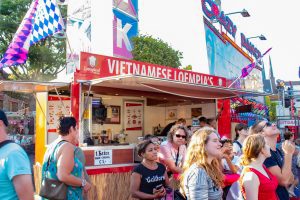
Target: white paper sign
287 122
103 157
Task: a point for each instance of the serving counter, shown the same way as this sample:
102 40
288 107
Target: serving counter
107 166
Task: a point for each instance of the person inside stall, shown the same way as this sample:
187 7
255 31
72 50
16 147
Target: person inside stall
212 122
148 179
166 130
203 122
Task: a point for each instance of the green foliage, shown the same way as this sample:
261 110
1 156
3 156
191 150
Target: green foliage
189 67
148 49
272 111
45 59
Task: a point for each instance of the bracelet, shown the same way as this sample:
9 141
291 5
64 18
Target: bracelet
83 182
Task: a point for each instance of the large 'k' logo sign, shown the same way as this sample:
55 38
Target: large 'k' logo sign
125 26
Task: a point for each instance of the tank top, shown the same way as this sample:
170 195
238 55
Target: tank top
267 186
73 193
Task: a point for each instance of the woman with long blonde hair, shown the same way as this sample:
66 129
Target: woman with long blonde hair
202 177
256 181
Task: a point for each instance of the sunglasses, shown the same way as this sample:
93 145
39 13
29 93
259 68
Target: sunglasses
156 143
267 124
180 136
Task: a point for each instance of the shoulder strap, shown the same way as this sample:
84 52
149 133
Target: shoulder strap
52 153
177 156
5 142
238 143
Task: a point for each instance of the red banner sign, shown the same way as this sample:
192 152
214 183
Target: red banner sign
104 66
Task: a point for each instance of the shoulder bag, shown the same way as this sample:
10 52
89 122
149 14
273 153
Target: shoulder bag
50 188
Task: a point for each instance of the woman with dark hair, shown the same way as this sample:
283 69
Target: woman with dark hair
148 179
241 133
278 164
60 162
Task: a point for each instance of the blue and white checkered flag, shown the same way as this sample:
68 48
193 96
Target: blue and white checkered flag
47 21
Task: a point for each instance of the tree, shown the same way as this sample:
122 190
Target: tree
148 49
188 67
45 59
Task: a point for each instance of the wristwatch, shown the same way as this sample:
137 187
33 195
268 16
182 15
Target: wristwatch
83 182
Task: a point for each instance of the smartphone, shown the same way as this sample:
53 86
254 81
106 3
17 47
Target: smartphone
158 187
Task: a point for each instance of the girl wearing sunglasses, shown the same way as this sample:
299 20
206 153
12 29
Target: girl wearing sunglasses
172 153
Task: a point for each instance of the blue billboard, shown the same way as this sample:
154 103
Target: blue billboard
226 61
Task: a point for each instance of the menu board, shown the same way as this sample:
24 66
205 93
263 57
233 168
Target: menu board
134 115
56 109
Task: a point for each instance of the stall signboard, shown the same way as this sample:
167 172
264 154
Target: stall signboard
103 157
99 66
287 122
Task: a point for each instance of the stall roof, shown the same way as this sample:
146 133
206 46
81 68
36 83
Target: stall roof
141 83
30 86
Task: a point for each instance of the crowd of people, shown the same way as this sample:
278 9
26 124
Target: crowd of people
201 165
198 165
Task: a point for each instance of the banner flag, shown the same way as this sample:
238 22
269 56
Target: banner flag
41 20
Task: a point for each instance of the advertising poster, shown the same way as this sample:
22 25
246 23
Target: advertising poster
134 115
56 109
226 61
78 31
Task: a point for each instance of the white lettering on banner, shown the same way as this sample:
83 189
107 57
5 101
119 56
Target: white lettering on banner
136 68
129 64
111 66
151 71
291 122
115 66
122 34
103 157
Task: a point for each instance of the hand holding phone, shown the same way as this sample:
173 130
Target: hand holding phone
159 191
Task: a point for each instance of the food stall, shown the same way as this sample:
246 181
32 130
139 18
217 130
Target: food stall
116 101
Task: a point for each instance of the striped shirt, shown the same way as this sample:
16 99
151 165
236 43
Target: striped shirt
199 186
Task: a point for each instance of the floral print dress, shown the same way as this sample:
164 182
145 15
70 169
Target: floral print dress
73 193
